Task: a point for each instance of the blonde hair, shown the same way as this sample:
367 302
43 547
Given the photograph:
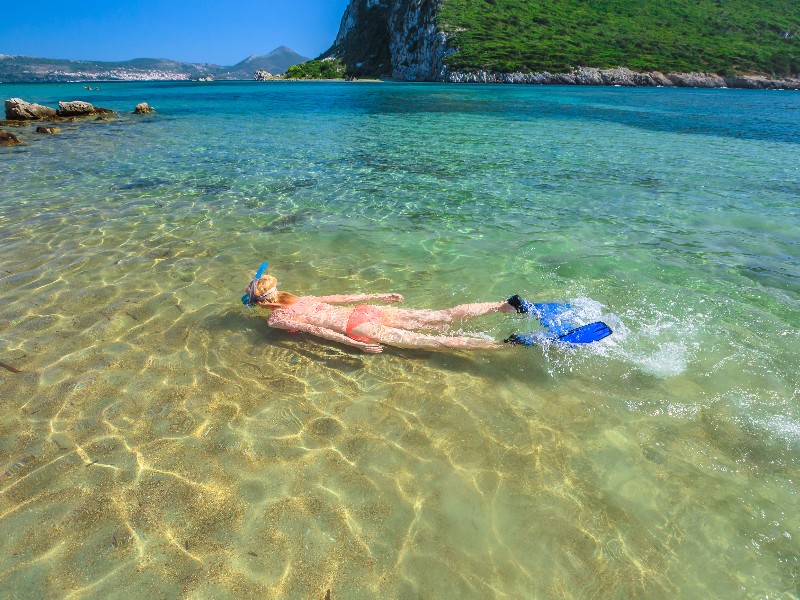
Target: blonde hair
272 298
279 300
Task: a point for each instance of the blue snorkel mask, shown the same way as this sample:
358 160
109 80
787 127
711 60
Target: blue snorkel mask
249 299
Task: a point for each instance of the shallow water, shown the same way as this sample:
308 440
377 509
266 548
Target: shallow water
161 438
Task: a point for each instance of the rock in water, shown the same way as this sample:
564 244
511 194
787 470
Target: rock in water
17 109
262 75
143 109
79 108
48 130
8 139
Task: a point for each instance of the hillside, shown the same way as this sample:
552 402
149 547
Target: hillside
29 69
717 36
25 69
432 39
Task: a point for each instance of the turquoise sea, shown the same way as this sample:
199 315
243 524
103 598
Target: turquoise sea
160 441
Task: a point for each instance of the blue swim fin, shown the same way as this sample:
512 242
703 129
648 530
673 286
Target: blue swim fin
550 314
540 309
586 334
593 332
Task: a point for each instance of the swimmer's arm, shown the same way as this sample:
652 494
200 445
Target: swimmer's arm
328 334
361 297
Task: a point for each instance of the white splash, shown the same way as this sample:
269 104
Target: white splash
655 342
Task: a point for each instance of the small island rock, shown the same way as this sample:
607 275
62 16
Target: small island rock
8 139
19 110
48 130
143 109
79 108
262 75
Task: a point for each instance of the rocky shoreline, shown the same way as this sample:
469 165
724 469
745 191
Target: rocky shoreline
20 114
623 77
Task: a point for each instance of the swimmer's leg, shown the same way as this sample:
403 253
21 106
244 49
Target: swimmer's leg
403 318
403 338
469 311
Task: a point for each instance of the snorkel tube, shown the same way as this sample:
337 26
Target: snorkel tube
249 298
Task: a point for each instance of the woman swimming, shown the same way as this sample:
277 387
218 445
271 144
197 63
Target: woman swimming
367 326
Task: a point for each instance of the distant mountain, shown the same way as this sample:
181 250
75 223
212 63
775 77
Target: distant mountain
29 69
21 69
276 62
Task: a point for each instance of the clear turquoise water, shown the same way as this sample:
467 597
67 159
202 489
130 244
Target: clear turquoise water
161 438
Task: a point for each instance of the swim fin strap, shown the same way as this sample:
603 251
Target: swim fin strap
586 334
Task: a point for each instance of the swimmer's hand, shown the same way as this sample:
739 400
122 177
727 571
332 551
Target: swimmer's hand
392 297
371 348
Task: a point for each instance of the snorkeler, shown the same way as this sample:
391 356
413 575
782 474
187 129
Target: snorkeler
367 326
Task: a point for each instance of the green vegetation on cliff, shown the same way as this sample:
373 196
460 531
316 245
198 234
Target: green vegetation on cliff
318 69
719 36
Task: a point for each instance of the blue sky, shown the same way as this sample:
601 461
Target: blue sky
200 31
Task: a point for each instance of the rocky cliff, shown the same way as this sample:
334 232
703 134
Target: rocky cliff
407 40
397 39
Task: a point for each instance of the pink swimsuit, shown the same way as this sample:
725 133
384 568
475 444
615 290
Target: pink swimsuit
363 313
